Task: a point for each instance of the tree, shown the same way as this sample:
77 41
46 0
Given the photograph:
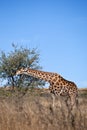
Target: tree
16 59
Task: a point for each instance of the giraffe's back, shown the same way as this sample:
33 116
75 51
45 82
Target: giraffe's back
63 87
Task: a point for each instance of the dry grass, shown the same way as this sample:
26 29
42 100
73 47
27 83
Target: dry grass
32 110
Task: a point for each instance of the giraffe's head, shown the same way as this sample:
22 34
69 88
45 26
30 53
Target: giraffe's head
21 71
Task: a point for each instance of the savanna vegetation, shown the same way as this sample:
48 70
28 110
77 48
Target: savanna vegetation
32 110
25 106
19 57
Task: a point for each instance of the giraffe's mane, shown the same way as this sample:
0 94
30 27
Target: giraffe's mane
34 70
42 71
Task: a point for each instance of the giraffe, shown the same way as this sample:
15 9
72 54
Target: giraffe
58 85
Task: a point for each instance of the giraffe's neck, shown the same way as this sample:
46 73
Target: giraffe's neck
47 76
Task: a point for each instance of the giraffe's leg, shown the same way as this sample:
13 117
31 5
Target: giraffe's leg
53 97
66 101
73 101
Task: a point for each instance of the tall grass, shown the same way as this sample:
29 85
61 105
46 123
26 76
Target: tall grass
34 111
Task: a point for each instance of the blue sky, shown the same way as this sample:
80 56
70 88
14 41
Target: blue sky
57 27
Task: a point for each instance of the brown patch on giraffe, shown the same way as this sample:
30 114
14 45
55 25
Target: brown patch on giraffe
54 79
59 76
61 84
57 83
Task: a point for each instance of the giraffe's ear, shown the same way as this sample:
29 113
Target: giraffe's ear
26 69
22 68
